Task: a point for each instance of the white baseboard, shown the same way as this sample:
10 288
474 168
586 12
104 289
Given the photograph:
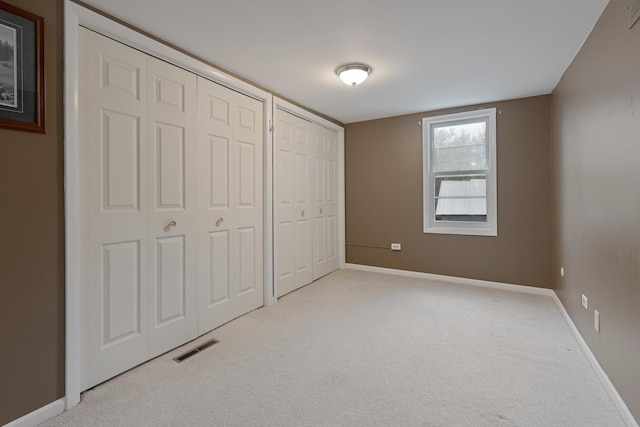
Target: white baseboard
604 379
40 415
459 280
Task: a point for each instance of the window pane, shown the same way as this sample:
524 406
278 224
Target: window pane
460 147
461 198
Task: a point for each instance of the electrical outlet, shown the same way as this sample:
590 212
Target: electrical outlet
585 302
596 320
396 247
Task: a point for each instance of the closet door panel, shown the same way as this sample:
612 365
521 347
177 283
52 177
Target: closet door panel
113 117
170 281
293 173
172 127
283 204
247 199
320 218
120 292
247 240
326 227
303 203
219 291
230 204
170 168
120 161
331 203
215 219
303 190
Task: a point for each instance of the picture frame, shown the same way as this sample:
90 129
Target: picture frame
634 12
21 69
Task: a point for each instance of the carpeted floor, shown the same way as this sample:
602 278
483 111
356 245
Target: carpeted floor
365 349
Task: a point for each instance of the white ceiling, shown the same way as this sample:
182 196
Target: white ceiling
425 54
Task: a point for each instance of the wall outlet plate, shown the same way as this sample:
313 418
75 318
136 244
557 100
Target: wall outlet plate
585 302
396 246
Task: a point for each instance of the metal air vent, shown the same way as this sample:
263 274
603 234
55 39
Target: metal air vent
196 350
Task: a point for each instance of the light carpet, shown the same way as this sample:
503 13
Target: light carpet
366 349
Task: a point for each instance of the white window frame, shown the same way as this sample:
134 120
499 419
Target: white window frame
490 228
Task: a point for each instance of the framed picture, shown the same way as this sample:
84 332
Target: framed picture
634 12
21 70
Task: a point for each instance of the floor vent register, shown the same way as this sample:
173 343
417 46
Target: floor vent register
196 350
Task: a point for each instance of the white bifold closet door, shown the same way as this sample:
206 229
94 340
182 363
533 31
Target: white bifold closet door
231 135
305 192
172 221
138 115
293 202
325 237
172 200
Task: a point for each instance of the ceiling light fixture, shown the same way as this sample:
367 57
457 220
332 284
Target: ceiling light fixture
353 74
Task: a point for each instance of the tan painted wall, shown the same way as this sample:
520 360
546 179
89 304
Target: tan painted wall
384 199
32 244
596 168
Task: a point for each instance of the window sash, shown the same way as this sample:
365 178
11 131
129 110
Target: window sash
470 215
465 153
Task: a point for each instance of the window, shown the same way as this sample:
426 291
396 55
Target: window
460 173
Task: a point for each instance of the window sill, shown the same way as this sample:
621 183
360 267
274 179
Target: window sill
462 231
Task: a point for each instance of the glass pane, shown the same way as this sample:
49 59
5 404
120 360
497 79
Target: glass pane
460 147
461 198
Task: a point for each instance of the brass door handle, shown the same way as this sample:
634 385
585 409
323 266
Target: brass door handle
302 213
321 210
219 221
172 224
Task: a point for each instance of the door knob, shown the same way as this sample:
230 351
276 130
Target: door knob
172 224
219 221
302 213
321 210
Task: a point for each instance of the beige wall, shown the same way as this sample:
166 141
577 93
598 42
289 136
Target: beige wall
384 199
32 244
596 168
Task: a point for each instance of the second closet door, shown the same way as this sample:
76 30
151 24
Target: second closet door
293 203
172 215
325 213
230 268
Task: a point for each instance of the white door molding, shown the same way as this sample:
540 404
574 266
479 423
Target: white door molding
76 16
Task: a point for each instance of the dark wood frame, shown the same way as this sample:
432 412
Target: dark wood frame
38 124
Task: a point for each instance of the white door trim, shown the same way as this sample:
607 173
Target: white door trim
301 112
74 17
73 249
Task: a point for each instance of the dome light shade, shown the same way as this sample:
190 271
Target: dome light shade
353 74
